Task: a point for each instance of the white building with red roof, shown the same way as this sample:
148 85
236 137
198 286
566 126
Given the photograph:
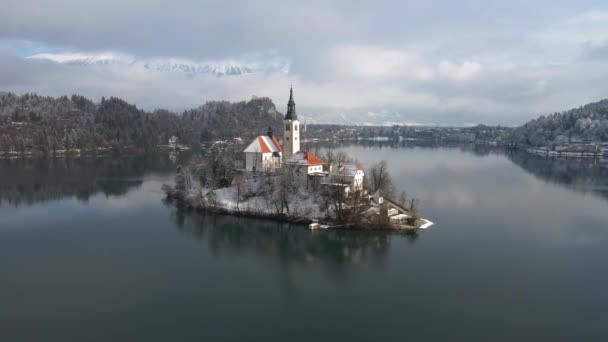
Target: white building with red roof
263 154
351 174
305 167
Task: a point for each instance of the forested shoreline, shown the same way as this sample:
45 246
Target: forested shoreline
40 125
588 123
46 126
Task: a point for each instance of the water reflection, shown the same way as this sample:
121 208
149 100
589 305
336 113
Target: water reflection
583 175
29 181
506 249
293 246
477 149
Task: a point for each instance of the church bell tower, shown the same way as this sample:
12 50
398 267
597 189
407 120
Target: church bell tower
291 129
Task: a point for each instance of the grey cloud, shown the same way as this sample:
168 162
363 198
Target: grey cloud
597 53
195 28
430 61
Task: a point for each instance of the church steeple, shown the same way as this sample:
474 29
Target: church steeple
291 107
291 131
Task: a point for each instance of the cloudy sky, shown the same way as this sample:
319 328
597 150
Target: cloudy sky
418 62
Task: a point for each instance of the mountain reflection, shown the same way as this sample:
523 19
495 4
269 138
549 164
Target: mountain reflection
293 245
30 181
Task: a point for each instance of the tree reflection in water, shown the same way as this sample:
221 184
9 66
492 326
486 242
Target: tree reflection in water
578 174
30 181
290 246
583 175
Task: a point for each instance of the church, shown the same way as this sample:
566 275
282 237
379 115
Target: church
291 130
265 153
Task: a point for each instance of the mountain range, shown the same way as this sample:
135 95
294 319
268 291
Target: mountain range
187 67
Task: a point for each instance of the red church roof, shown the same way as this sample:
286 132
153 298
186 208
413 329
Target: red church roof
312 159
264 144
304 158
276 143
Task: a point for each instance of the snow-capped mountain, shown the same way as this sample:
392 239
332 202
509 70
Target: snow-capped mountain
83 59
187 67
191 69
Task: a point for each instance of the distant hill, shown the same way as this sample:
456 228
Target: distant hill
36 123
226 120
586 123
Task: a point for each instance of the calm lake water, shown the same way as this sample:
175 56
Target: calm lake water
89 252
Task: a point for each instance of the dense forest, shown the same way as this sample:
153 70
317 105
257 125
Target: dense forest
588 123
37 124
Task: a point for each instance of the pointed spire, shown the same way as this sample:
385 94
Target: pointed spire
291 107
291 93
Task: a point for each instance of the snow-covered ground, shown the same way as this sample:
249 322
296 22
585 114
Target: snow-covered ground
249 198
301 204
426 224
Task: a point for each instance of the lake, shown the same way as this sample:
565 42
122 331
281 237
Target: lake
90 251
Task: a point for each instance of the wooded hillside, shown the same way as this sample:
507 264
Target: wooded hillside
45 124
586 123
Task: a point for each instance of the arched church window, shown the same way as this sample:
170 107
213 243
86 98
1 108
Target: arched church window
287 127
286 138
295 127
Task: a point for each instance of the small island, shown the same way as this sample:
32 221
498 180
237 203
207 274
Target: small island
273 178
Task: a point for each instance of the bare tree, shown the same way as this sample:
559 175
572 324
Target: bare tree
267 189
380 179
413 211
329 156
413 204
341 158
286 187
182 179
402 199
357 205
239 183
334 196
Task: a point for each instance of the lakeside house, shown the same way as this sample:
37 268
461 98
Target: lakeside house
173 142
173 145
572 149
351 174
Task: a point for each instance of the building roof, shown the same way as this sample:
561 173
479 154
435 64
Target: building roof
264 144
303 158
348 169
291 107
